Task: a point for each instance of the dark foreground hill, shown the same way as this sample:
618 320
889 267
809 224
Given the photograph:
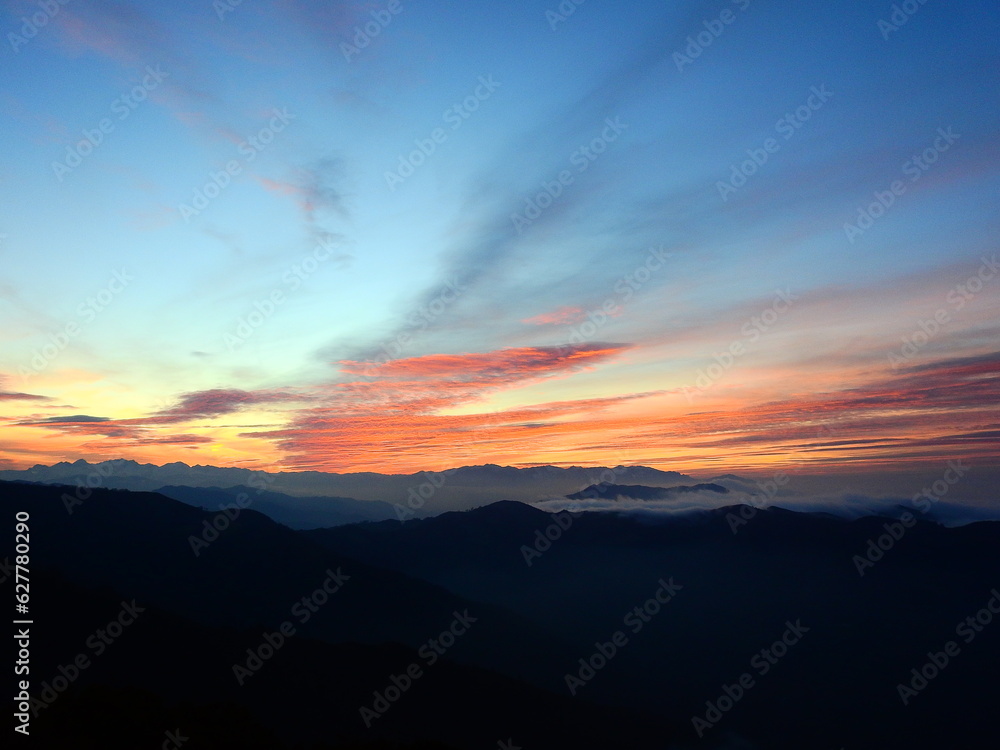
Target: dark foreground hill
730 628
224 569
168 674
745 574
192 619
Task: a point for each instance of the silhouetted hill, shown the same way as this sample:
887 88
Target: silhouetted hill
547 591
838 687
254 573
165 673
294 512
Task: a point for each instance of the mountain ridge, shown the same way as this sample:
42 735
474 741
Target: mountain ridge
420 493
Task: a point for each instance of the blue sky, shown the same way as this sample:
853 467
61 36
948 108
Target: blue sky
532 91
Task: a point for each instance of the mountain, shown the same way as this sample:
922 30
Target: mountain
127 474
774 629
254 571
294 512
641 492
165 673
746 573
421 494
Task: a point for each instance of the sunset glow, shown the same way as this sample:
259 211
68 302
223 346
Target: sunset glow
419 253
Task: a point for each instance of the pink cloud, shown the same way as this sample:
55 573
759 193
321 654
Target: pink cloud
15 396
561 316
504 365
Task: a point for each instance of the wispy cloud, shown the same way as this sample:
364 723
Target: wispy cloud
218 402
409 404
6 395
78 418
562 316
505 365
315 189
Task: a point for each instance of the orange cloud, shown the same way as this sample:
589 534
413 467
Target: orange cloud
401 422
402 417
503 365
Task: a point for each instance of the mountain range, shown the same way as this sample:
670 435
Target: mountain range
431 492
680 609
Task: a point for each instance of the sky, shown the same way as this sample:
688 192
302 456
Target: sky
402 236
